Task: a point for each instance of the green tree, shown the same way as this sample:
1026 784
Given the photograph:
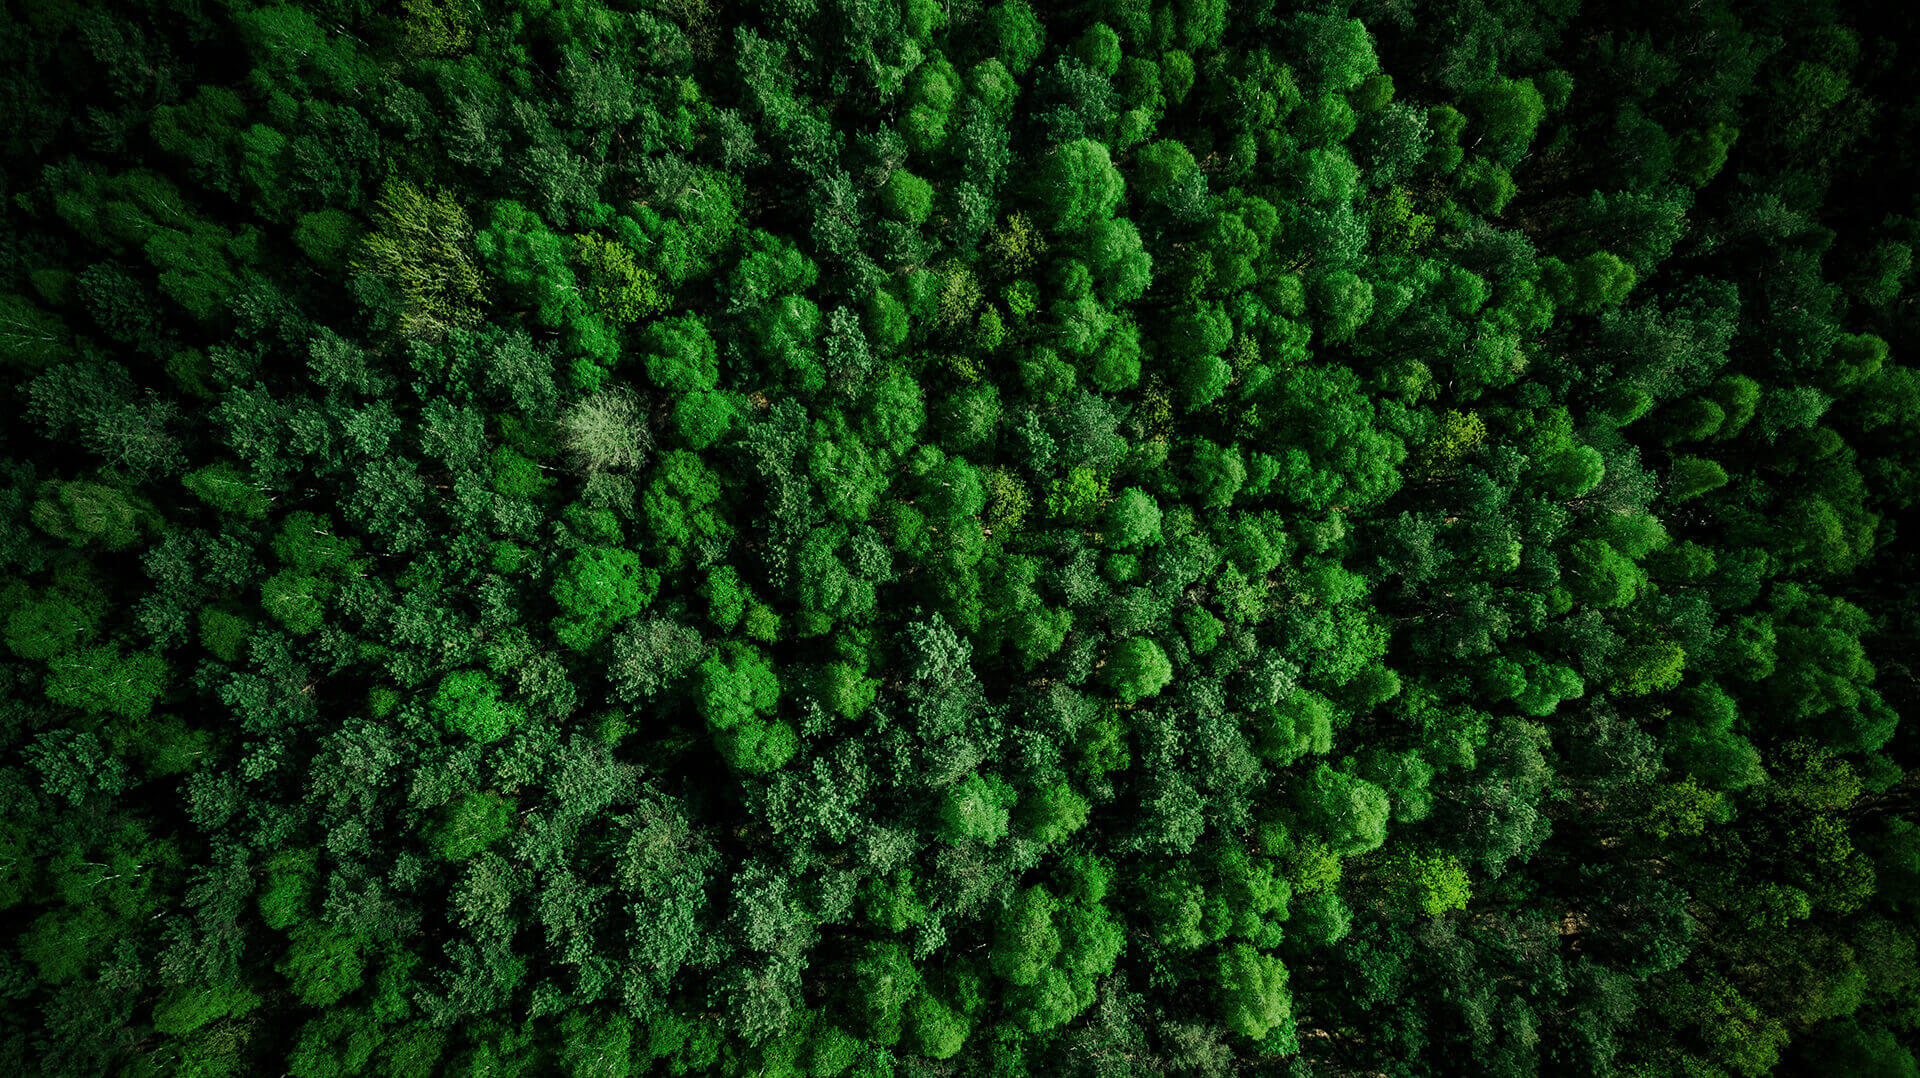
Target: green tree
469 702
1137 668
680 504
1601 279
975 809
1694 476
40 625
907 198
296 599
105 680
1254 997
86 513
1217 474
1350 811
186 1009
619 289
680 354
1508 112
422 244
1132 519
599 588
735 691
225 487
468 824
323 964
1429 881
1016 33
1077 185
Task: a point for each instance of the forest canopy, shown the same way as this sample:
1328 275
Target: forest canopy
896 538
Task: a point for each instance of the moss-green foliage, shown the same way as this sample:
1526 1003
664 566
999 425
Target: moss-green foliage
1253 994
420 243
734 694
1149 537
1431 883
975 809
322 965
515 475
907 198
227 489
1137 668
184 1010
87 513
107 680
469 702
596 590
287 889
468 824
1077 185
42 623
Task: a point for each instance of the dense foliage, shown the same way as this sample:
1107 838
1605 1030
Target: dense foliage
905 538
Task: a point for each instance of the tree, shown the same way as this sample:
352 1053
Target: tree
83 513
1337 53
1133 519
606 431
61 944
935 1029
907 198
1350 811
105 680
323 964
734 691
976 809
883 982
1600 575
1025 941
1077 186
680 355
1166 176
225 487
1573 472
618 288
599 588
1694 476
469 702
1016 33
468 824
1122 267
186 1009
1487 186
596 1045
1702 153
40 625
969 420
1508 111
680 504
895 411
931 92
1601 279
1430 882
1343 302
847 690
31 337
1323 919
1137 668
296 599
1254 997
1217 474
421 244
